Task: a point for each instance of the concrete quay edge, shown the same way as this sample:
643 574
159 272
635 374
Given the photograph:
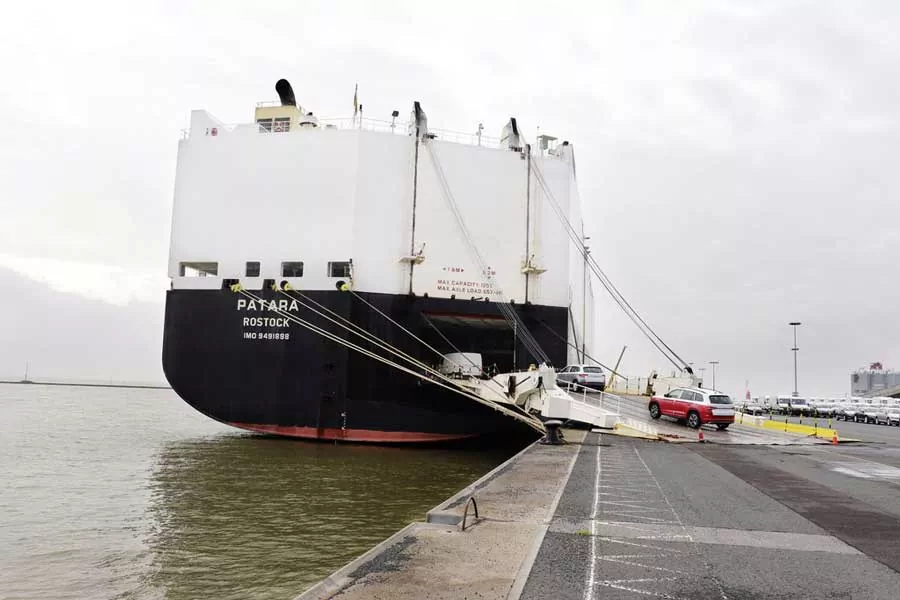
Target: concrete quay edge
442 515
525 569
338 580
443 518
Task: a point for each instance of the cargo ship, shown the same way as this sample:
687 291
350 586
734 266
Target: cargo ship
323 270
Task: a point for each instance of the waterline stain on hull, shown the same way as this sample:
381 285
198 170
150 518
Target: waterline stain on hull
353 435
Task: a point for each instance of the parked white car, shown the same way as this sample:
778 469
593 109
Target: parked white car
582 376
894 416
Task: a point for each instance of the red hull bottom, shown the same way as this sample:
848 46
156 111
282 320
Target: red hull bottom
353 435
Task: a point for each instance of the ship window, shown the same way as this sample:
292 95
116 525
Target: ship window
339 269
198 269
252 268
264 124
292 269
282 124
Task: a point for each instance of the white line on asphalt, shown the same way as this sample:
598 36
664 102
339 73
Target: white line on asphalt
641 592
620 541
631 563
521 579
722 593
641 580
852 456
777 540
591 582
659 487
881 471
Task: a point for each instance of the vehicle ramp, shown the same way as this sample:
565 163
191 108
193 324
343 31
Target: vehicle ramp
564 406
537 392
635 420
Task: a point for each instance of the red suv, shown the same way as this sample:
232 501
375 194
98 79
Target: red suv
695 406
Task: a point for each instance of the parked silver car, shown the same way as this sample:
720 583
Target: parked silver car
893 416
752 408
846 412
588 376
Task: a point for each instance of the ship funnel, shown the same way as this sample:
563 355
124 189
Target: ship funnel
285 92
418 122
510 136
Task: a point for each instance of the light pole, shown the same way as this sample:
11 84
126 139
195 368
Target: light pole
714 363
701 369
795 349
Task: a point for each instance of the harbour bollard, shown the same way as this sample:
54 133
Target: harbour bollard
553 437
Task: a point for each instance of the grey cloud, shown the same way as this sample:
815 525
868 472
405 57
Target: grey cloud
736 159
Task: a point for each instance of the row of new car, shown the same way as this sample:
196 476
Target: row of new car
883 411
879 415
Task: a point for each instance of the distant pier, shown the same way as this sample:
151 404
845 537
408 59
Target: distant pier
140 386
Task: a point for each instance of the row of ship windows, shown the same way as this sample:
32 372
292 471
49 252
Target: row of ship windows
291 268
277 124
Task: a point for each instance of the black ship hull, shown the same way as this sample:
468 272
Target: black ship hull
239 362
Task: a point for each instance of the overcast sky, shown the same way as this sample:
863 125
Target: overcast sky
737 160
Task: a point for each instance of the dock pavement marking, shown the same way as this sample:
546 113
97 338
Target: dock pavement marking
592 569
684 529
643 535
878 470
525 568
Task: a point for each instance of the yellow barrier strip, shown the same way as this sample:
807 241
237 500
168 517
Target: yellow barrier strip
802 429
787 427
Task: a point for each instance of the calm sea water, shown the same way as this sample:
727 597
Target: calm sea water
118 493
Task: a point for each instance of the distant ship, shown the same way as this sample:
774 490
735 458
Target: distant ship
25 378
364 280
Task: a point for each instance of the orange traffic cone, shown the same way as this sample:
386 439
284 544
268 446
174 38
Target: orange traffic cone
699 435
834 440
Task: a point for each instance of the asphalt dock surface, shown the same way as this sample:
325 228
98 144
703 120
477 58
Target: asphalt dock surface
644 519
750 514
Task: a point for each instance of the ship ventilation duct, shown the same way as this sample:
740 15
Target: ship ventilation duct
567 153
418 122
286 93
510 136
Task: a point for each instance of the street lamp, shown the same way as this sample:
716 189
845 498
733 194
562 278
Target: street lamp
795 349
714 363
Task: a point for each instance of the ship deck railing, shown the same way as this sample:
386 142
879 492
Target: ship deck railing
377 125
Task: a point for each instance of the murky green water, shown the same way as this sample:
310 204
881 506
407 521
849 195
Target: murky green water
111 493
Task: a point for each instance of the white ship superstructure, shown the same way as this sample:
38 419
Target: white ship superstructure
445 235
